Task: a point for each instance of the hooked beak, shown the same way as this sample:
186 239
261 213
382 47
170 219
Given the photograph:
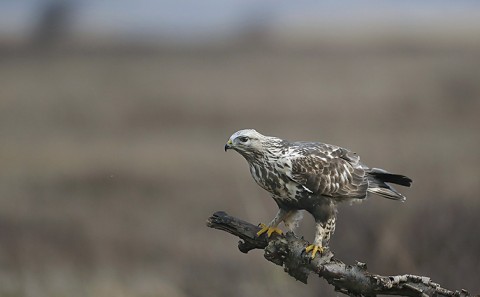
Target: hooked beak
228 145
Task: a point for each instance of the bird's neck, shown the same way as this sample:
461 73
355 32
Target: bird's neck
272 150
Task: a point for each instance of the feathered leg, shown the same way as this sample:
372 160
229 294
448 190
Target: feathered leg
290 218
328 231
324 229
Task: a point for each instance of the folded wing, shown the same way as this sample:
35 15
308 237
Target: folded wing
328 170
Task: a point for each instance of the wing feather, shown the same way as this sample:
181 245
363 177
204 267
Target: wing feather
327 170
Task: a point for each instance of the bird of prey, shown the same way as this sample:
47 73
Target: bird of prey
310 176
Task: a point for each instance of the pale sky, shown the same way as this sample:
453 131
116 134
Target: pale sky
190 18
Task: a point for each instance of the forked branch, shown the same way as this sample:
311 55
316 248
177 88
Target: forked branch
354 280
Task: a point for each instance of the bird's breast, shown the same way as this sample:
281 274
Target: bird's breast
275 182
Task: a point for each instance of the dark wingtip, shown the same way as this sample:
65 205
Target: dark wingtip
406 181
400 180
388 177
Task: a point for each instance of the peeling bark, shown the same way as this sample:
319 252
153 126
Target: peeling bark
288 251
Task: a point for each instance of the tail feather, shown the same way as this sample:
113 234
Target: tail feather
378 179
389 193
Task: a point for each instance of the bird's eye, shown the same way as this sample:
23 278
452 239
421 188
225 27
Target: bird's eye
243 139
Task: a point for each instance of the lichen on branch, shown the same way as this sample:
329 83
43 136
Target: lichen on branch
288 251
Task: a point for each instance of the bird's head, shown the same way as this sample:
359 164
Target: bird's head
245 140
249 143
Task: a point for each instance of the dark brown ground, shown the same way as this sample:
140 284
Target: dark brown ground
111 163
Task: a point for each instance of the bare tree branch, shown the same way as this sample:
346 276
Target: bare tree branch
354 280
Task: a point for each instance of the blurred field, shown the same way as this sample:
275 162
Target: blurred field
112 161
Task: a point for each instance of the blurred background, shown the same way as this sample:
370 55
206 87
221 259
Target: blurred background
114 114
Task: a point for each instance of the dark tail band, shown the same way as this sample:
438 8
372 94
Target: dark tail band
378 179
388 177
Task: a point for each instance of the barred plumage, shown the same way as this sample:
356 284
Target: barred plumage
310 176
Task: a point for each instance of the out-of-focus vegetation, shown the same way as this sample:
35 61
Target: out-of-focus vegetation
112 160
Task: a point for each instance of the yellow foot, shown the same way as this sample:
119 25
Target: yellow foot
269 230
314 249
